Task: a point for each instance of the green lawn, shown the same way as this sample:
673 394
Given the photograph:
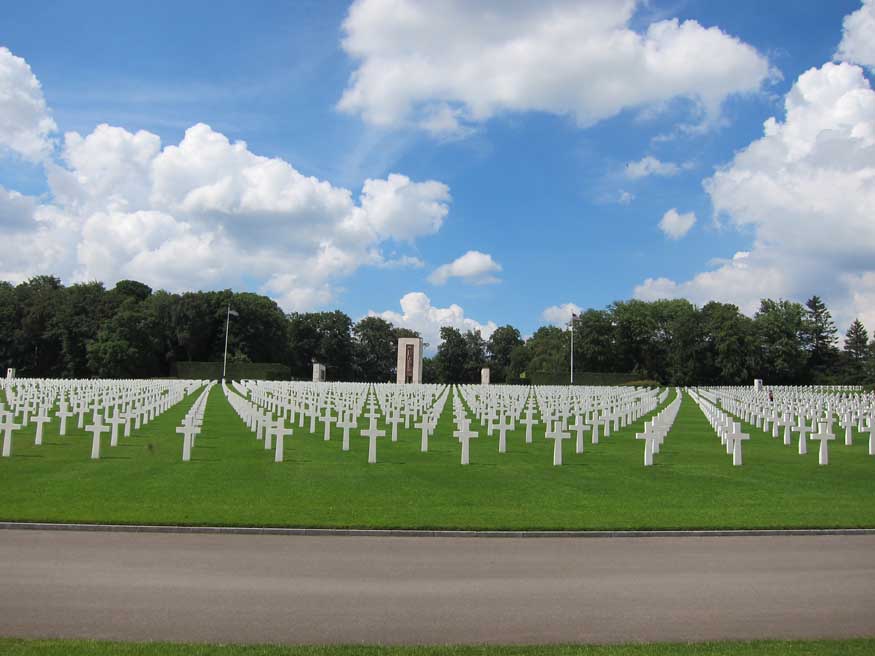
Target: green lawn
232 480
759 648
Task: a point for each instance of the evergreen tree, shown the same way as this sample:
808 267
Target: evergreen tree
819 339
857 351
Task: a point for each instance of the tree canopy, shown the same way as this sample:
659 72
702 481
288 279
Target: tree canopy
84 330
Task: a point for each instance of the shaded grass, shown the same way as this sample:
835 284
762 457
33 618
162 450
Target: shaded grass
758 648
232 480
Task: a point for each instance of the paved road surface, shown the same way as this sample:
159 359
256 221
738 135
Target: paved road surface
233 588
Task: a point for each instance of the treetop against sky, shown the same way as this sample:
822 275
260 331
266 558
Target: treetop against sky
130 331
462 164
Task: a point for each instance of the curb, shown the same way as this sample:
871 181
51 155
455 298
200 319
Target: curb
414 533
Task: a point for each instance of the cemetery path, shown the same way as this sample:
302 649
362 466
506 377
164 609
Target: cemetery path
260 589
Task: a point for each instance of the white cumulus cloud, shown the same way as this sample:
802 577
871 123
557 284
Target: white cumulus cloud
649 165
445 66
675 225
403 210
858 36
560 315
25 123
204 213
417 313
473 268
806 190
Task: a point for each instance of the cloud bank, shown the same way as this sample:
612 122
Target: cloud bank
204 213
446 66
806 190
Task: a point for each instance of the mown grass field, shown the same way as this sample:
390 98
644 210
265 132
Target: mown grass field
862 647
232 480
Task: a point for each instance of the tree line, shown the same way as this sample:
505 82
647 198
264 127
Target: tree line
84 330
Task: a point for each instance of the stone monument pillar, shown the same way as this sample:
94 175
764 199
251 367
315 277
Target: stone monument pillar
10 373
484 376
318 373
758 385
409 360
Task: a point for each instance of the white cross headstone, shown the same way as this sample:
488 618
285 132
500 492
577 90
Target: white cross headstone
528 422
424 427
394 419
803 431
558 436
115 421
63 413
187 430
327 420
281 431
96 429
347 423
502 427
372 434
465 435
7 425
737 437
824 436
579 427
648 436
40 420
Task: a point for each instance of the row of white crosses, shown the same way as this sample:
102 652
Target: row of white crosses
269 431
598 405
112 404
658 428
331 404
140 398
727 429
191 424
815 412
262 404
500 407
341 405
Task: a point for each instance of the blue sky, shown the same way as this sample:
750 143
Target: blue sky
514 139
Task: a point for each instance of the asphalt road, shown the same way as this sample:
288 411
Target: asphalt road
274 589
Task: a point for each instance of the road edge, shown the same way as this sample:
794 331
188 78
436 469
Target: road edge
419 533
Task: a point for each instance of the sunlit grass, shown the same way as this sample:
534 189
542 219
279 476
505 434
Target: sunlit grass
233 480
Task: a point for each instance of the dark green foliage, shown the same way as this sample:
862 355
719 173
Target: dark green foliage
429 370
594 341
38 345
730 355
500 347
375 348
819 338
236 370
452 355
549 351
581 378
779 326
475 356
520 358
83 330
857 352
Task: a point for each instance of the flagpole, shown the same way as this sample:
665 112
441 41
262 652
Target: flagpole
572 348
227 325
